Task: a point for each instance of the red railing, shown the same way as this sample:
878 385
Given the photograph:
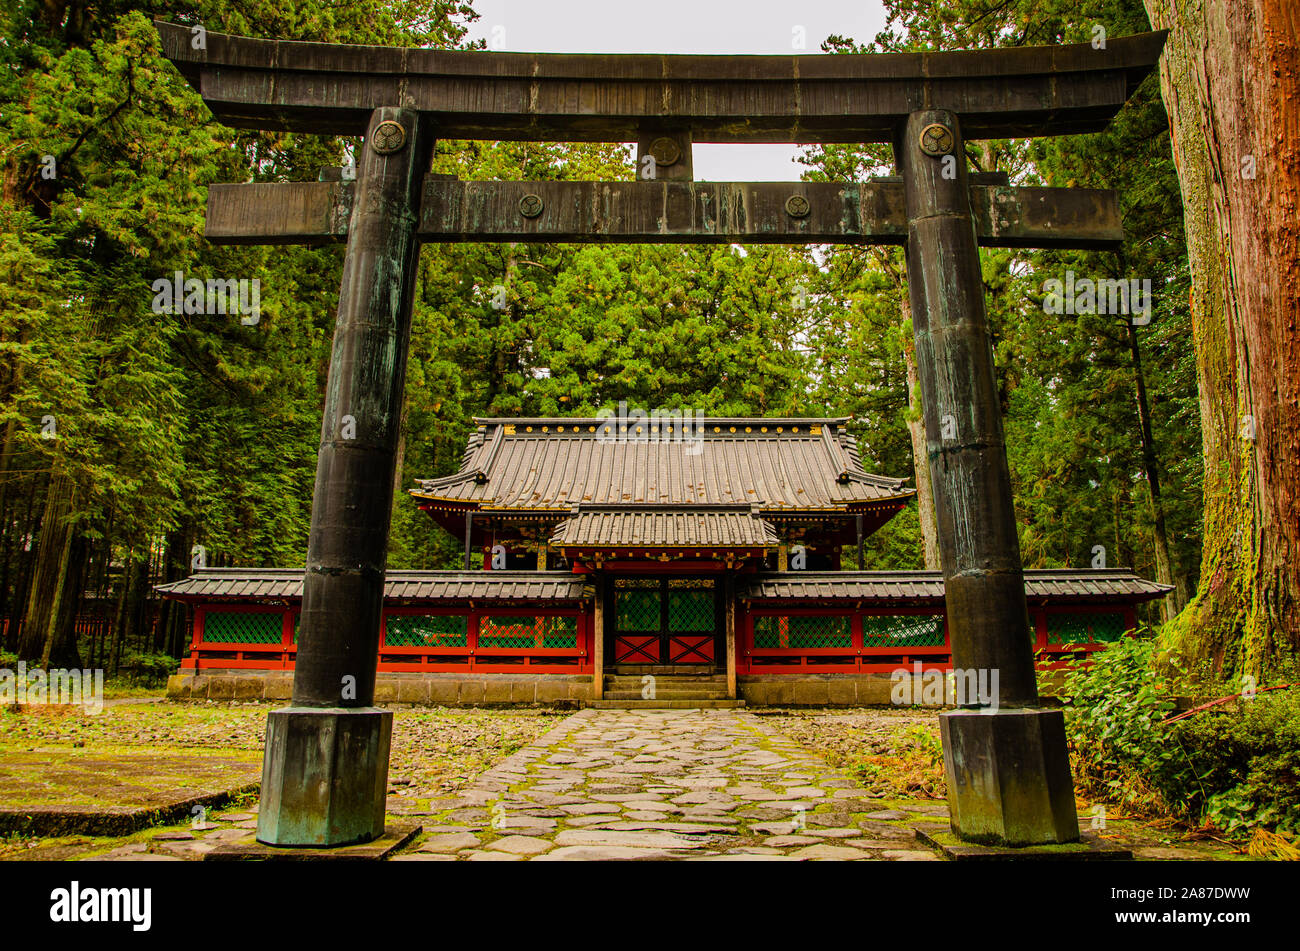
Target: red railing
474 655
478 652
861 655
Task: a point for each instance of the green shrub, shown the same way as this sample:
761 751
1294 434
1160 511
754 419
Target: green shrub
1241 767
1236 766
1112 709
149 668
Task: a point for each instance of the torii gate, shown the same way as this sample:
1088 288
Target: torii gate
324 776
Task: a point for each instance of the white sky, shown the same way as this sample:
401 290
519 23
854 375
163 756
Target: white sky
683 26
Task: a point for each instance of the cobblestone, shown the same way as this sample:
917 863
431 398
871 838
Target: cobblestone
668 784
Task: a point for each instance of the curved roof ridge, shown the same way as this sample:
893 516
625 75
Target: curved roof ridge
529 463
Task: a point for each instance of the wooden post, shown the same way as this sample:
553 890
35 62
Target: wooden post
598 641
1006 765
729 589
324 777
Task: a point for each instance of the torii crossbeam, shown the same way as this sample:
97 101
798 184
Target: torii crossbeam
325 769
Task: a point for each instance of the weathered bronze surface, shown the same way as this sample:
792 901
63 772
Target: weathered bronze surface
347 548
324 776
663 212
978 547
326 88
1008 776
665 150
1006 767
388 137
665 156
936 139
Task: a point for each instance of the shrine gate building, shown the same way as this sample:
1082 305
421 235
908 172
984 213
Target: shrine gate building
702 552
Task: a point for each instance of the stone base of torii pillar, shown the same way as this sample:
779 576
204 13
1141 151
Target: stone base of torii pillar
324 776
1008 776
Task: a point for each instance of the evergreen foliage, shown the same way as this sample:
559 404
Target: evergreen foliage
173 431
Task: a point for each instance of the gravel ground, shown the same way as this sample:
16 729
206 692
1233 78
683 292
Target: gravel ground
433 750
891 753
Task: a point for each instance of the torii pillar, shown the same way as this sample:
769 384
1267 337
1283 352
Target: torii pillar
325 771
1006 764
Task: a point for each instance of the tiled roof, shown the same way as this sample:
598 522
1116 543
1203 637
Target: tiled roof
928 585
555 464
275 584
619 527
285 584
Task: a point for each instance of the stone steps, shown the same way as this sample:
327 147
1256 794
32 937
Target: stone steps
664 670
668 694
674 687
663 683
628 680
661 704
696 687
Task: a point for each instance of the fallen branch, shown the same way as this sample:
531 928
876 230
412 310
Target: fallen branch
1214 703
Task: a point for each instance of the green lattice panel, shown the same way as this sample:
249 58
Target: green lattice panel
1084 628
802 631
243 627
691 611
522 632
902 630
426 630
636 610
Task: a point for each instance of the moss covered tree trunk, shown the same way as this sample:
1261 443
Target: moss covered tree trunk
916 430
1230 74
891 261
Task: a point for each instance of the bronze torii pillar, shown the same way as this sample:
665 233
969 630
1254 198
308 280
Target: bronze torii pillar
325 770
1006 766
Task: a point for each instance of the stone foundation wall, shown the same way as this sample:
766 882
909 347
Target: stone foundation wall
764 690
815 690
851 690
392 688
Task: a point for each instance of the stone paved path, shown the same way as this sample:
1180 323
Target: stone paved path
707 785
667 784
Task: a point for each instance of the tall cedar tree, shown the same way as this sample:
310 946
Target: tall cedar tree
1230 76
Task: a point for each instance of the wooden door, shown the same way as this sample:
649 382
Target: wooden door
664 621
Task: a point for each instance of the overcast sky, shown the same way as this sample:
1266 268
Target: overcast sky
683 26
